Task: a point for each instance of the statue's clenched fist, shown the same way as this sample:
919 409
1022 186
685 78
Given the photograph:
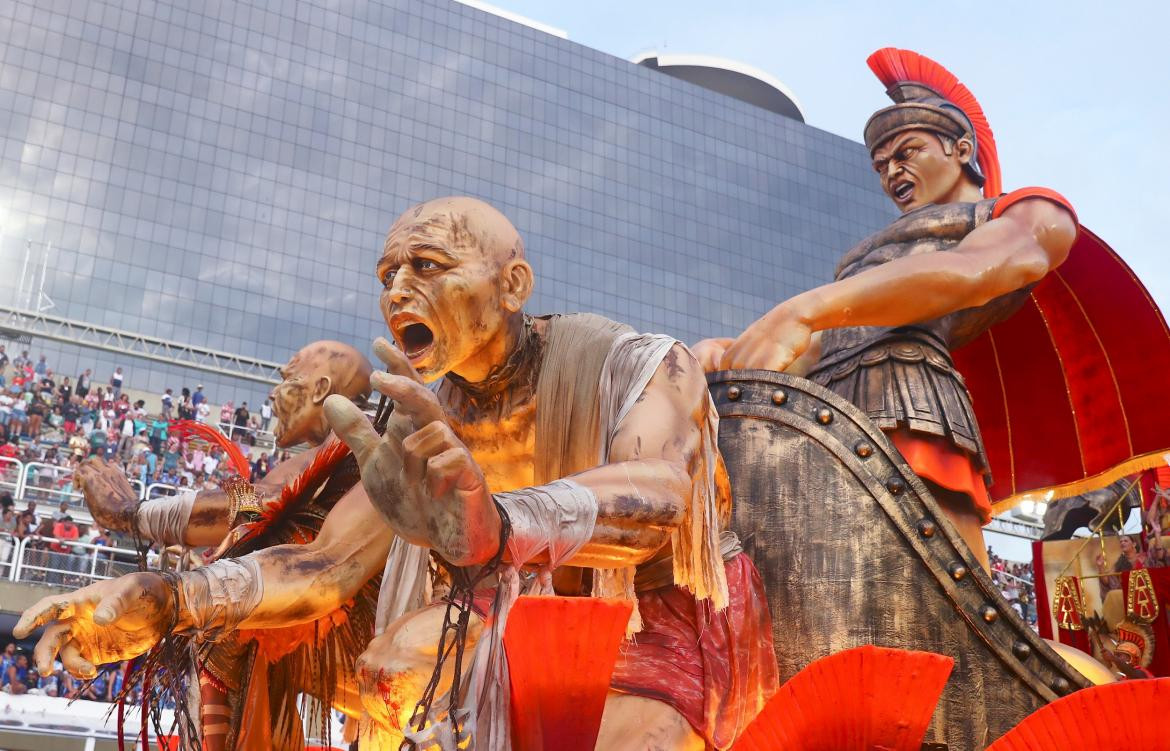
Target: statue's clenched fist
105 622
108 494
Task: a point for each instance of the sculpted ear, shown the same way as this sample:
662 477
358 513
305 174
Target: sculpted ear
515 284
964 150
322 388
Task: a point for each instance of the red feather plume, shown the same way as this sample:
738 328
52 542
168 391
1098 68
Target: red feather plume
1114 717
561 652
189 428
855 700
893 66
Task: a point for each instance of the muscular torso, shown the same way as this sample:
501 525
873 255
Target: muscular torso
504 449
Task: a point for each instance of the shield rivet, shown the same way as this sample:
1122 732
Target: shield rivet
734 393
824 415
895 485
989 613
779 396
926 528
863 449
957 571
1022 650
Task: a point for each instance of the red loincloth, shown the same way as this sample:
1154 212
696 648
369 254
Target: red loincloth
717 669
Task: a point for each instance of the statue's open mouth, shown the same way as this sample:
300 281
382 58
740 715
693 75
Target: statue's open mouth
417 338
903 190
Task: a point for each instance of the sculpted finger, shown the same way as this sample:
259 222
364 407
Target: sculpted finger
112 607
351 426
75 663
53 607
411 398
50 644
395 360
429 440
451 468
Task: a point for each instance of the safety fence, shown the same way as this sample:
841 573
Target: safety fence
69 563
50 485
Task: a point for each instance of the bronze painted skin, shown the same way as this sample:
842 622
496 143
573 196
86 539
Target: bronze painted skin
228 693
314 372
892 292
455 282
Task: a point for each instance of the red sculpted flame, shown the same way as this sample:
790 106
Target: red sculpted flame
862 698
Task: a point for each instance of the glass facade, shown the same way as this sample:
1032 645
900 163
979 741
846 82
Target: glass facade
223 173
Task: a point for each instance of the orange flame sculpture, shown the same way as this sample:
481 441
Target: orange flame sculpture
1114 717
561 652
856 700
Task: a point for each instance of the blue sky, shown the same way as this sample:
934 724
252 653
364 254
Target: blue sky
1078 94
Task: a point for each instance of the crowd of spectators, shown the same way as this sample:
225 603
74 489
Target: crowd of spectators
1016 583
53 425
18 675
58 424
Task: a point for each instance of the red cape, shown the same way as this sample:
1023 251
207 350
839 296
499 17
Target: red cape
1070 391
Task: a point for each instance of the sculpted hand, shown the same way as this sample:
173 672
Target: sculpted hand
106 622
427 484
709 352
771 343
108 494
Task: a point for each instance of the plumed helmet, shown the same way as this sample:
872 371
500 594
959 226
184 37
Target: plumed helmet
929 97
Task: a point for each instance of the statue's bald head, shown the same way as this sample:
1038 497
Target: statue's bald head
467 223
455 282
317 370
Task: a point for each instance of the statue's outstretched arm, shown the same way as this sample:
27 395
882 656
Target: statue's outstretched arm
286 584
171 520
1008 253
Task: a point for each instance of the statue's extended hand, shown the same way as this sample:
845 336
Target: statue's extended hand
426 484
105 622
771 343
709 352
108 494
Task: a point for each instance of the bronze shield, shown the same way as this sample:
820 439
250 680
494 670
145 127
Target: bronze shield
854 550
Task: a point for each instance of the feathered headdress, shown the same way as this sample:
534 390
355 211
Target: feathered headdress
928 96
187 429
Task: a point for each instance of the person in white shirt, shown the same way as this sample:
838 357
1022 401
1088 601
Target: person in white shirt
204 412
265 414
210 463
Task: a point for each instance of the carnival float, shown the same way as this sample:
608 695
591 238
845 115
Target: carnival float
557 533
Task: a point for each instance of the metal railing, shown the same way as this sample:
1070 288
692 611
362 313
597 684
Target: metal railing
263 438
49 484
70 563
11 472
9 545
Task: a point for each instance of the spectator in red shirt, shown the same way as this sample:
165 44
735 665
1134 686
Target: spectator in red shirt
65 531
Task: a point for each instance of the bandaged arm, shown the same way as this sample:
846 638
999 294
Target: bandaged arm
288 584
642 493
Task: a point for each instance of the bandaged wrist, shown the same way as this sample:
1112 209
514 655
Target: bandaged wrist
164 519
558 517
218 597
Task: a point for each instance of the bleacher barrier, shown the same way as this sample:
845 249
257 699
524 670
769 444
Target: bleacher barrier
36 562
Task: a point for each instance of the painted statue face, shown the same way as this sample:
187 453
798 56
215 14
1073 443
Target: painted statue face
442 294
916 170
313 373
298 415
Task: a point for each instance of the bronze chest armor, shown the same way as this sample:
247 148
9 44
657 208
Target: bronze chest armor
904 376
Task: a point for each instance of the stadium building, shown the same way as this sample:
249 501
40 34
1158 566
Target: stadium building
210 188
